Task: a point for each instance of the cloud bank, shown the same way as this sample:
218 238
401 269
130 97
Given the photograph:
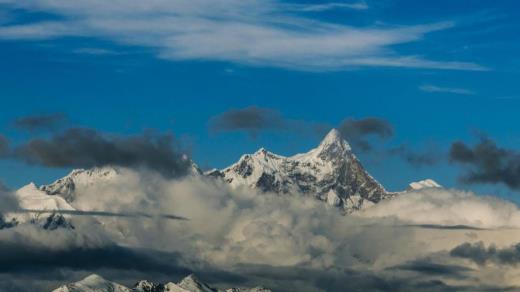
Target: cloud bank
282 242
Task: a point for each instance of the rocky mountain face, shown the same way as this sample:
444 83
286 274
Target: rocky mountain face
331 172
96 283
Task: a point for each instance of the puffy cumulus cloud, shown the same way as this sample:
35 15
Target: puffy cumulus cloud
86 148
264 33
448 208
288 242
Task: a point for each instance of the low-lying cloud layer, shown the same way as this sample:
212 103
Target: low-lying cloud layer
283 242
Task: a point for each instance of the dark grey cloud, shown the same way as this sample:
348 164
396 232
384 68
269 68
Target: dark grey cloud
16 256
415 158
487 163
4 146
253 120
41 122
357 132
105 214
8 203
480 254
86 148
429 268
392 279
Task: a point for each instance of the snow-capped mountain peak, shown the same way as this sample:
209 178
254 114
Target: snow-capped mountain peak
93 283
80 178
333 144
330 172
426 183
96 283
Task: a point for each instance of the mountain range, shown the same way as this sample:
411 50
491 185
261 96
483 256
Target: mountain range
96 283
330 173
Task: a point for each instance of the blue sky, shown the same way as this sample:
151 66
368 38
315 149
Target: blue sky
438 71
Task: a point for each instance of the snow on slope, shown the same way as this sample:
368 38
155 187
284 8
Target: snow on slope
31 198
330 172
95 283
80 178
427 183
69 186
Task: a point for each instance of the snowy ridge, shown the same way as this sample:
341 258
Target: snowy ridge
93 283
330 172
79 178
427 183
31 198
96 283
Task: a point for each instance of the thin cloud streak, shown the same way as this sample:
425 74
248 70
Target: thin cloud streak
103 214
438 89
326 6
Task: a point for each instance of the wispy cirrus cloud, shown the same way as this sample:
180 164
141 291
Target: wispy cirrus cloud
439 89
252 32
326 6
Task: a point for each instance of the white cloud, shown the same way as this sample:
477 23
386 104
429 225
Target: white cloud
438 89
326 6
234 229
448 208
262 33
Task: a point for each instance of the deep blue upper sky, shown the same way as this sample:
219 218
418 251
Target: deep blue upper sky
437 70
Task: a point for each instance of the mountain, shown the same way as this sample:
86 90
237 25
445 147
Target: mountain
96 283
77 180
423 184
67 186
93 283
331 172
31 199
